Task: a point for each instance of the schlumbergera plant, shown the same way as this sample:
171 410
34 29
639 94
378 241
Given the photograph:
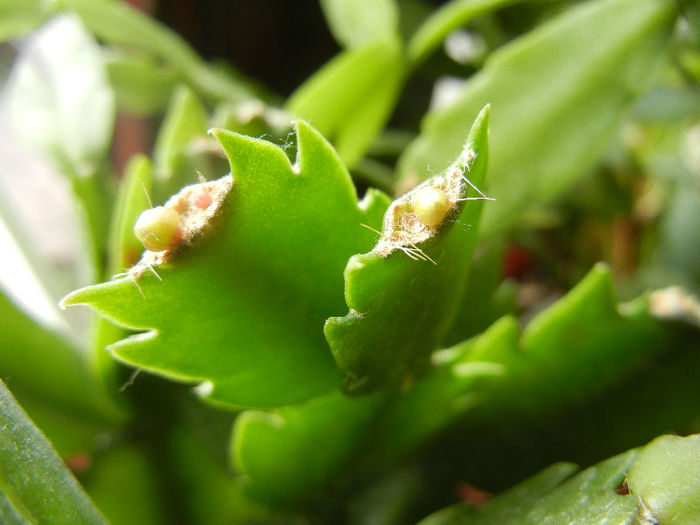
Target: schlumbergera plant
298 313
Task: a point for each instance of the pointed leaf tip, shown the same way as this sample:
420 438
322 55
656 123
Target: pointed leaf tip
74 298
380 342
483 118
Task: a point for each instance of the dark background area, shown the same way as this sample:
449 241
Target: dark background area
276 42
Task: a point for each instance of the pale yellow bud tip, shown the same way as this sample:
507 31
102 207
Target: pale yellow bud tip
157 228
430 205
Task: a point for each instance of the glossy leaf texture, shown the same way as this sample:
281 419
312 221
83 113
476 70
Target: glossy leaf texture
559 92
596 495
270 266
30 471
382 341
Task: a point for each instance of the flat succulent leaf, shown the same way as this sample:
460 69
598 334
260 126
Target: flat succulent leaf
383 340
599 379
580 345
666 476
560 91
69 123
30 470
645 404
447 18
572 351
270 266
287 456
350 99
666 468
358 22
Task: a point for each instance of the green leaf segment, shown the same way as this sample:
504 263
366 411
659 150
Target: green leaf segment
401 308
270 266
582 344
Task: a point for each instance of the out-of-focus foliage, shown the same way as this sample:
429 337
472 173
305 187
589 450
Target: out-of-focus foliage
341 376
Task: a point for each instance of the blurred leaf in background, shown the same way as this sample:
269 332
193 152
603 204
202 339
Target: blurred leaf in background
560 328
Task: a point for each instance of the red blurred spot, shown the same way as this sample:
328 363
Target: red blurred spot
143 5
516 262
472 495
78 463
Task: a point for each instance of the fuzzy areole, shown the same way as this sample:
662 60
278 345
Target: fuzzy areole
165 230
419 214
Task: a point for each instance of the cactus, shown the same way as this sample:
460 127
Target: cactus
296 311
